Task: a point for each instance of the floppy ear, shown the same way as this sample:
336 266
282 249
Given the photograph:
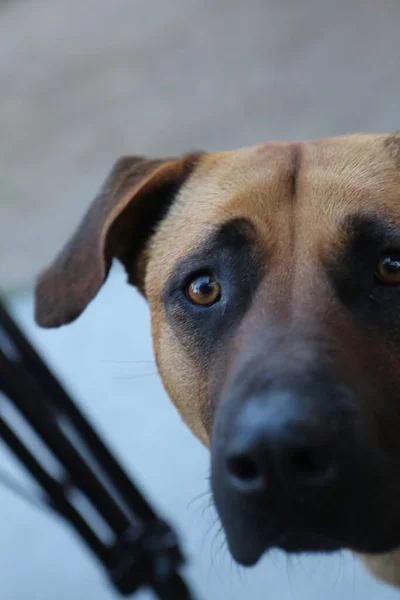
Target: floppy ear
134 198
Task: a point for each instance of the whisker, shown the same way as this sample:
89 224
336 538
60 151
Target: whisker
128 362
215 552
210 508
200 496
135 376
339 571
289 571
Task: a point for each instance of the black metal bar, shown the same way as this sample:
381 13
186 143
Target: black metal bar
55 493
26 395
145 550
111 466
174 589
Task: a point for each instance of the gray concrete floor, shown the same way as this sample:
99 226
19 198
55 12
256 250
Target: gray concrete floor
96 358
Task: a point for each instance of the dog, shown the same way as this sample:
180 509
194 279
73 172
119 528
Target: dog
272 274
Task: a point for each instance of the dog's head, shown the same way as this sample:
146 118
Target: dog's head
273 279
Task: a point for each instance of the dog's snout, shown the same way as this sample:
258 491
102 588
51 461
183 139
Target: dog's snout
283 459
273 443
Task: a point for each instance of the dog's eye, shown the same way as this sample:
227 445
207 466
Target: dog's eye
204 290
388 269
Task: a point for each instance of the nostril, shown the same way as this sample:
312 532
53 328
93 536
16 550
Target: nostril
243 468
310 463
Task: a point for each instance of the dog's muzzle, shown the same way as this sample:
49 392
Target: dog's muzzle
290 468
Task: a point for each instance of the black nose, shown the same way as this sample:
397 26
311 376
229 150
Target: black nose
275 442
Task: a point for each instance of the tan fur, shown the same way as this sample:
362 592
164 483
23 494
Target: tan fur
338 176
297 217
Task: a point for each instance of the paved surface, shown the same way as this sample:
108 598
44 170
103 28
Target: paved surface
40 559
85 81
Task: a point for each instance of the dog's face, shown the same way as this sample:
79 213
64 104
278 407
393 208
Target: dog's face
273 279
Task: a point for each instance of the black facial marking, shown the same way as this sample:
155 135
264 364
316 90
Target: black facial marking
352 273
153 208
229 256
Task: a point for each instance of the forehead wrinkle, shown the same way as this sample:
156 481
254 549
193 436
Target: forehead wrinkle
392 144
357 158
334 178
330 191
244 185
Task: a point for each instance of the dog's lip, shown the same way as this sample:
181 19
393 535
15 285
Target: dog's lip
303 540
294 541
247 550
246 557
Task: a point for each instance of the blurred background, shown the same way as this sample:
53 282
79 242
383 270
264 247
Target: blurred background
84 81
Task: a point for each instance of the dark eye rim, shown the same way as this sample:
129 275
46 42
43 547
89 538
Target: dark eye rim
191 279
393 255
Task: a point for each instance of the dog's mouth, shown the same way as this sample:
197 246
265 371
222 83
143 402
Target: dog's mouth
306 541
292 542
250 540
300 469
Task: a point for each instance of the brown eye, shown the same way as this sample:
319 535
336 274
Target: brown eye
388 269
204 290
